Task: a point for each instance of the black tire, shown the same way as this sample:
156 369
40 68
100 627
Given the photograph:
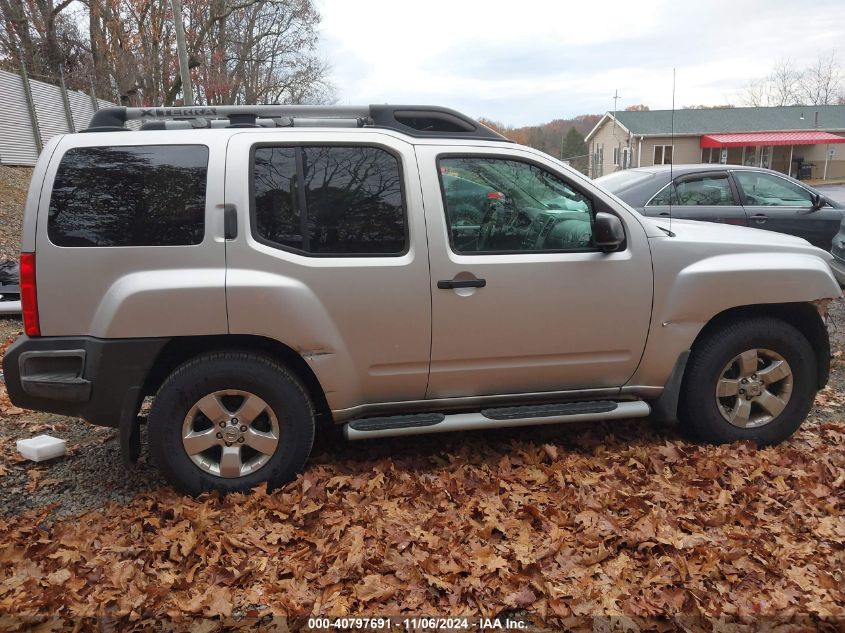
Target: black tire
699 412
276 386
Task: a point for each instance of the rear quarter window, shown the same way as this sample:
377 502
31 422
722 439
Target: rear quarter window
329 201
145 195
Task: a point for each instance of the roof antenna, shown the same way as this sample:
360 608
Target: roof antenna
672 159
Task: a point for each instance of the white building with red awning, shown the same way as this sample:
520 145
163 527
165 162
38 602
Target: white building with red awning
803 141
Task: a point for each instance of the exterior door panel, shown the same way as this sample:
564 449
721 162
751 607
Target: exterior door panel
774 203
362 323
542 321
705 196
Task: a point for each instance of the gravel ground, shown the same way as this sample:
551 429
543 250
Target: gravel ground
92 475
88 477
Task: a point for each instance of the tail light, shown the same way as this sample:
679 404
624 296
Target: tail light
29 297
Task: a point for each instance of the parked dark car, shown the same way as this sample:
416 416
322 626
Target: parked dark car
732 194
838 252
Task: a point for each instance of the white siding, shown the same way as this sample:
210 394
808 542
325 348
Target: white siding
17 143
17 140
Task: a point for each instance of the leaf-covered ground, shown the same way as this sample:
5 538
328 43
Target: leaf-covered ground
617 519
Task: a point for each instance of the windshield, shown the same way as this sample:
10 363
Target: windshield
621 180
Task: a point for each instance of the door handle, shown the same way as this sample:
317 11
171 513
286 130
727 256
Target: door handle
447 284
664 213
230 221
759 217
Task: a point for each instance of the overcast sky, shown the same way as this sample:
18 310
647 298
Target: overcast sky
526 62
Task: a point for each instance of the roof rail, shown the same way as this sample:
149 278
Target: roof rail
418 121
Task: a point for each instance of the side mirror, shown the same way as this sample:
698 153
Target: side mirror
817 200
608 231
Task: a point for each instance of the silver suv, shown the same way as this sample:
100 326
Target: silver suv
396 270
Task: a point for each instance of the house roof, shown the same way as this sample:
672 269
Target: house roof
716 120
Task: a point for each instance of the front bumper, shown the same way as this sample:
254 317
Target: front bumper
837 265
100 380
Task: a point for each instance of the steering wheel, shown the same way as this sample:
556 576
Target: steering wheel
485 232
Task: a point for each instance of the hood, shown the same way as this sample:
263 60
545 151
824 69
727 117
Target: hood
728 236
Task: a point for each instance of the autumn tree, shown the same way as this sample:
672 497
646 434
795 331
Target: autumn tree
496 126
240 51
40 34
640 107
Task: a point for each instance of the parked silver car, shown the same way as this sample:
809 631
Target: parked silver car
396 270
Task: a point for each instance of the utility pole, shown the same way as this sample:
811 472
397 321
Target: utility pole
184 72
616 98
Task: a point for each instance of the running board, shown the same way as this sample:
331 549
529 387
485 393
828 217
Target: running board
426 423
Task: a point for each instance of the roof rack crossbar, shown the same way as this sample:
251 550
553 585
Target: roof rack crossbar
419 121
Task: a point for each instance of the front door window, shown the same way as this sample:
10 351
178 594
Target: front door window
498 205
767 190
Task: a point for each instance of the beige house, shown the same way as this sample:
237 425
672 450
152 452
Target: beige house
788 139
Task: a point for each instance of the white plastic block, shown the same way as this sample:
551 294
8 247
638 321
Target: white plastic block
41 447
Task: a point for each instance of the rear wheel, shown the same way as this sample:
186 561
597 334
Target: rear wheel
751 380
229 421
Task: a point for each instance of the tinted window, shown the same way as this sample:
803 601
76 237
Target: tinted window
274 187
350 200
767 190
498 205
151 195
703 191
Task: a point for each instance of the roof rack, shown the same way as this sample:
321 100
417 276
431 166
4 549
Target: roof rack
418 121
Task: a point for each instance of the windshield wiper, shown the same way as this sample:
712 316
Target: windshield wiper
665 230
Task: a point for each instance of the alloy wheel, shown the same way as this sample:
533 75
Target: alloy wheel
754 388
230 433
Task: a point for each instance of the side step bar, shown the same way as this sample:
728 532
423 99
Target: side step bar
500 418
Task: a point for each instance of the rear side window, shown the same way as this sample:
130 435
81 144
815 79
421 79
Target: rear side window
329 200
146 195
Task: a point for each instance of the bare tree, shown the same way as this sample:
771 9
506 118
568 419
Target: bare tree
819 84
822 83
784 84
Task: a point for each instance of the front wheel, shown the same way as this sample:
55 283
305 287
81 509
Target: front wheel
229 421
750 380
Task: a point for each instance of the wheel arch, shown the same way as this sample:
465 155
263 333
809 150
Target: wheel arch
805 317
181 349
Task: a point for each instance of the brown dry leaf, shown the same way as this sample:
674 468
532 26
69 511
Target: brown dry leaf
522 598
35 476
218 602
59 577
374 587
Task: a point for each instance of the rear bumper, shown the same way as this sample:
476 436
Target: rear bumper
99 380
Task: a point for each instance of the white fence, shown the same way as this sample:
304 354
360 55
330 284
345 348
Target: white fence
18 144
